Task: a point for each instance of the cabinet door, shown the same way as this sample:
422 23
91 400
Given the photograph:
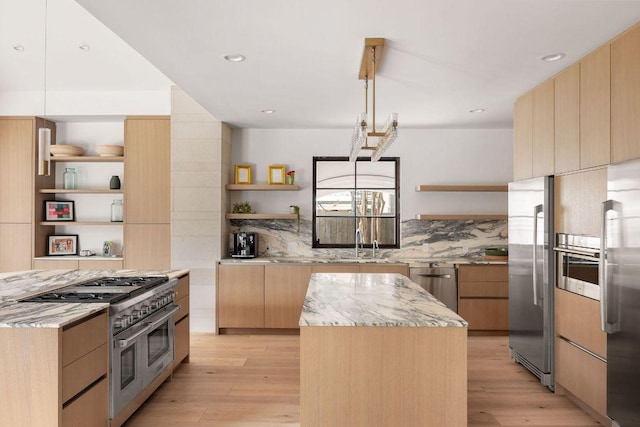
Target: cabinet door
147 169
485 314
523 137
15 253
285 287
625 96
595 108
336 268
543 129
182 341
147 246
567 120
578 199
240 296
382 268
16 180
577 319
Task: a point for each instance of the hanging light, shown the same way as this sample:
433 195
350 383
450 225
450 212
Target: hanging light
361 133
44 133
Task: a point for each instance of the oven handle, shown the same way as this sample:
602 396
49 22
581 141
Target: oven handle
578 252
155 323
125 342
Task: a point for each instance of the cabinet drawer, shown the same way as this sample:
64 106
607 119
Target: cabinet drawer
79 374
184 308
90 409
386 268
83 338
55 264
581 374
336 268
485 314
483 273
106 264
483 289
577 319
182 289
182 341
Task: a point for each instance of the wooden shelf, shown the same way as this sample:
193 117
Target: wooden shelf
485 188
262 187
260 216
87 159
80 191
462 217
54 223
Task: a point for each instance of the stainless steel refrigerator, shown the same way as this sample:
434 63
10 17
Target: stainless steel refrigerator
620 291
531 275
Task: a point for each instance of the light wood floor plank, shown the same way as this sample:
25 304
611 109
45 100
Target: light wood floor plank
254 381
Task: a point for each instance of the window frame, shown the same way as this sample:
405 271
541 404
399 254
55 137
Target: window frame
314 241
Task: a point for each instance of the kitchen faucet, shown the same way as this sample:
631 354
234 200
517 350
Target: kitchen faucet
375 246
358 234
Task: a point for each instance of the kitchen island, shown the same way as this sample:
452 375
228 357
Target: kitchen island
378 350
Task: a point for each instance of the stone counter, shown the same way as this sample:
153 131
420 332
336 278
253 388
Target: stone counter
419 262
361 299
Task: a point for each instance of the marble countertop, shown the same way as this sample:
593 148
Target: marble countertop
369 299
425 262
22 284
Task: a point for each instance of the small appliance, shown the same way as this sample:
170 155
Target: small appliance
245 245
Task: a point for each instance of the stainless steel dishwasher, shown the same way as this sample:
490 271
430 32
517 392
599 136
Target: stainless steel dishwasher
441 282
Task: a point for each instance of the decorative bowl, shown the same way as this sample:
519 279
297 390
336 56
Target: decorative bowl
66 150
110 150
496 251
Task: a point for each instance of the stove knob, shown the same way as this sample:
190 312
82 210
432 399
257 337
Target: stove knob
154 304
120 322
145 309
137 314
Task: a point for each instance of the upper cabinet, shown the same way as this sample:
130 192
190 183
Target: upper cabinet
567 120
595 108
625 96
533 150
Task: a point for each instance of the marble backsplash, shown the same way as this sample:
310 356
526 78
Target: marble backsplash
443 239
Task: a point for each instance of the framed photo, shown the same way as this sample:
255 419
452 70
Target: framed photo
63 244
58 210
276 174
243 174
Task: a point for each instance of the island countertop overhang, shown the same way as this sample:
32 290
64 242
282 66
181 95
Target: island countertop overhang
373 299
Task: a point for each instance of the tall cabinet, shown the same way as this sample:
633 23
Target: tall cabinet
147 230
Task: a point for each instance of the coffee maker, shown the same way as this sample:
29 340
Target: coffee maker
245 245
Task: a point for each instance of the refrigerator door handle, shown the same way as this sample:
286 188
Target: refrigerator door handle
605 325
537 210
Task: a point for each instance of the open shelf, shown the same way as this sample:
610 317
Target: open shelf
87 159
80 191
54 223
260 216
485 188
262 187
461 217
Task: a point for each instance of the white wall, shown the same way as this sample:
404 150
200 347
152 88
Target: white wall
429 156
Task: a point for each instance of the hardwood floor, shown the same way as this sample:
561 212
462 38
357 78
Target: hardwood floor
253 381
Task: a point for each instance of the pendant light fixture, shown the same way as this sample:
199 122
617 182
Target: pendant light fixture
362 136
44 133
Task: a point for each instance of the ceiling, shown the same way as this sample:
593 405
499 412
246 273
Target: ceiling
442 59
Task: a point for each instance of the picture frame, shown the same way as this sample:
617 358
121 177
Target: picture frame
243 174
59 210
276 174
62 244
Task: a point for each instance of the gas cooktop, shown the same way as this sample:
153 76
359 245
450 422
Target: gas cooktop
102 289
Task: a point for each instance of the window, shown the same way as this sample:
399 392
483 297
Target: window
355 195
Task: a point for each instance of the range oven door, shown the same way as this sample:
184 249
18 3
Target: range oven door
578 273
126 377
158 344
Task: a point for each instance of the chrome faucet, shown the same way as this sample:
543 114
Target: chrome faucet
358 234
375 246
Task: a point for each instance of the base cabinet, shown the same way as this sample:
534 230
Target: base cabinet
285 288
483 297
240 296
182 331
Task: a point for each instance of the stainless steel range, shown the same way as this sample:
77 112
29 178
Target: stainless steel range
141 327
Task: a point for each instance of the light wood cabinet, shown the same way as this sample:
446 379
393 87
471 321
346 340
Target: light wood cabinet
543 129
578 197
577 318
567 120
595 108
17 146
625 96
385 268
147 246
483 297
182 332
240 296
285 287
523 137
15 254
56 376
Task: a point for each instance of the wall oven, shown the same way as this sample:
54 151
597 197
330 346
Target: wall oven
578 264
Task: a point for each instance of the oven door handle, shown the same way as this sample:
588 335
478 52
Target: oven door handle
164 317
121 343
578 252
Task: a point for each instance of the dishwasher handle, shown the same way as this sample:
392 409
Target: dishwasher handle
437 276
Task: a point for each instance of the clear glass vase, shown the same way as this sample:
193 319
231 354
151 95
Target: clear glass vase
117 211
70 179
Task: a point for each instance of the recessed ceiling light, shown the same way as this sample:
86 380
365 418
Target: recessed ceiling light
18 47
477 110
268 111
553 57
84 46
234 58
